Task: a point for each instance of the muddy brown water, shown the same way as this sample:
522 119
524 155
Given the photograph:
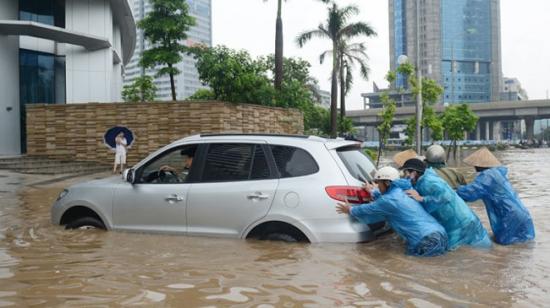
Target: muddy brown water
45 265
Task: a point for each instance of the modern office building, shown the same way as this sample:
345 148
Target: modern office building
460 45
512 90
56 52
187 83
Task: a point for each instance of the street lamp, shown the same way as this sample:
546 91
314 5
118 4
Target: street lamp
419 83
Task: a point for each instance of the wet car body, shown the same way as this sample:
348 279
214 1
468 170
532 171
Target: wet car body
239 186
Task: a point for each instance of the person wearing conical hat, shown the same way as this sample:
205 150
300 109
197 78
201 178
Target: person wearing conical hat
509 218
400 158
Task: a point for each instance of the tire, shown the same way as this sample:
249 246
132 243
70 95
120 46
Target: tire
282 237
86 223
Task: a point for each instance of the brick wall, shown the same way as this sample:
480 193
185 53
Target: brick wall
75 131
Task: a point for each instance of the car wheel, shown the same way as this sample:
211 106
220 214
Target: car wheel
283 237
86 223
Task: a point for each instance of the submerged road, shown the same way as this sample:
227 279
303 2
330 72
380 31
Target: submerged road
43 264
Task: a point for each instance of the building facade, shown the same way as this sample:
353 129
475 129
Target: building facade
512 90
58 51
460 45
187 82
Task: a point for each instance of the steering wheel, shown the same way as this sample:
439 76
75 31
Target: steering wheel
168 176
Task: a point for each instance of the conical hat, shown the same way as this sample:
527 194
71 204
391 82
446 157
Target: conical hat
482 158
400 158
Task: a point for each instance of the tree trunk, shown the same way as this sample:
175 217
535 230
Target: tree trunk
342 91
172 84
454 150
380 146
334 91
279 48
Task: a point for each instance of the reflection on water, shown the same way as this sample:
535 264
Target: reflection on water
42 264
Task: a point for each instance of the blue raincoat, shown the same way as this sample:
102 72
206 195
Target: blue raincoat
424 236
510 220
461 223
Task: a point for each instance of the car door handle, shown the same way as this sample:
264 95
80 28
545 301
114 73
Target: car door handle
258 195
174 198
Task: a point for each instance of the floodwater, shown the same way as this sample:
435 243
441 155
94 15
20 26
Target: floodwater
45 265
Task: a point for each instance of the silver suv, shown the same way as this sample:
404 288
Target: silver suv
274 187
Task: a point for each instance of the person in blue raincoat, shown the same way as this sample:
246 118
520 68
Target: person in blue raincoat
510 220
441 201
423 234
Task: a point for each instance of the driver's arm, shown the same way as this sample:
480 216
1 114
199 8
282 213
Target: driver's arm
167 168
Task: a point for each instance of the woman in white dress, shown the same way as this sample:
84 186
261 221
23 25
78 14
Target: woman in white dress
120 152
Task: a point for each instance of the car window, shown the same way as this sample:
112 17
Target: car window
228 162
260 168
358 163
293 162
173 162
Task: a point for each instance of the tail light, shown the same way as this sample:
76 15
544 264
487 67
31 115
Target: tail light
352 194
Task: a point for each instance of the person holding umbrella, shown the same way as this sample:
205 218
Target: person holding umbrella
120 151
119 139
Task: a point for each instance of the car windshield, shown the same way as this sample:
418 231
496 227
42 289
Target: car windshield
358 164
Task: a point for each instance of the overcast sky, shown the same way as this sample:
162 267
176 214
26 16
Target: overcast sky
250 25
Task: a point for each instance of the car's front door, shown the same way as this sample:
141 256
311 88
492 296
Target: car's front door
158 199
236 188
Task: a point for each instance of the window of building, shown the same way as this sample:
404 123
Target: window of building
50 12
41 81
41 77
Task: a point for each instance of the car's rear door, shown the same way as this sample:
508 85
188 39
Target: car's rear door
236 188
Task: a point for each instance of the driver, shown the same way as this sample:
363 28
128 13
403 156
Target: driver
189 153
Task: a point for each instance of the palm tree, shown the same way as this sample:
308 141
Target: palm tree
279 45
337 30
348 56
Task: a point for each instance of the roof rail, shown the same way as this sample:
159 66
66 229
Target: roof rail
253 134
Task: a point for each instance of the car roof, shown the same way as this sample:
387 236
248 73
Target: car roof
287 139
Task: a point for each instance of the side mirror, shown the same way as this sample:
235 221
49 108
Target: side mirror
129 175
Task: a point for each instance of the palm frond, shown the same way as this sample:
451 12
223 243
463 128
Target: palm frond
357 29
323 55
306 36
349 77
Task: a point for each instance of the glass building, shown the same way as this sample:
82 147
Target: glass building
459 45
57 52
187 82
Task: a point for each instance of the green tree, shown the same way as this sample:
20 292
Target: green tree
202 94
431 91
234 76
142 89
457 120
338 30
165 27
384 129
348 56
279 65
298 87
387 114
